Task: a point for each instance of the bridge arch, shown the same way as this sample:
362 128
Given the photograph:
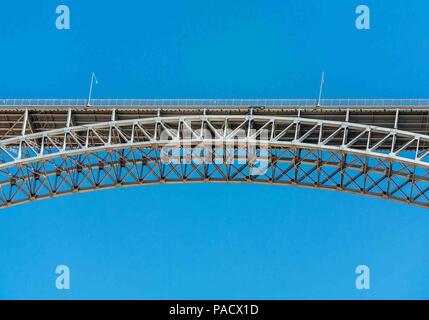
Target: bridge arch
316 153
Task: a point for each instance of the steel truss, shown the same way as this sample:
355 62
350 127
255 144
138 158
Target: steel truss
343 156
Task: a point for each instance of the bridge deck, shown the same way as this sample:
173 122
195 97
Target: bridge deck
410 115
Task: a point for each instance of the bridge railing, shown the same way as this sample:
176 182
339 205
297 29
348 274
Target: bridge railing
388 103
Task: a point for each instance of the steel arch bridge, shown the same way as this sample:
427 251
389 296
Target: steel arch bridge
378 148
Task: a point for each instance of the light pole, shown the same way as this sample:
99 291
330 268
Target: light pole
93 77
322 81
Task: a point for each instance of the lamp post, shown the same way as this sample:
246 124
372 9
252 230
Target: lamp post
93 77
322 81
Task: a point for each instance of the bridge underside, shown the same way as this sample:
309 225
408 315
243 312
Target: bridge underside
47 151
285 166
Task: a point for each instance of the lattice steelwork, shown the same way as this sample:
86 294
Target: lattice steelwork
62 150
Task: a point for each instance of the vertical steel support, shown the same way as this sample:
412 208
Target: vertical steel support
24 122
394 135
69 116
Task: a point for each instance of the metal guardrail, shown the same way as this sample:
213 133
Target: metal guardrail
214 102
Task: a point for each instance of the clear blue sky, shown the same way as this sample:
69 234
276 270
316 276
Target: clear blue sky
214 241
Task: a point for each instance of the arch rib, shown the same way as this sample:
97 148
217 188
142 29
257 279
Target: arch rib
342 156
